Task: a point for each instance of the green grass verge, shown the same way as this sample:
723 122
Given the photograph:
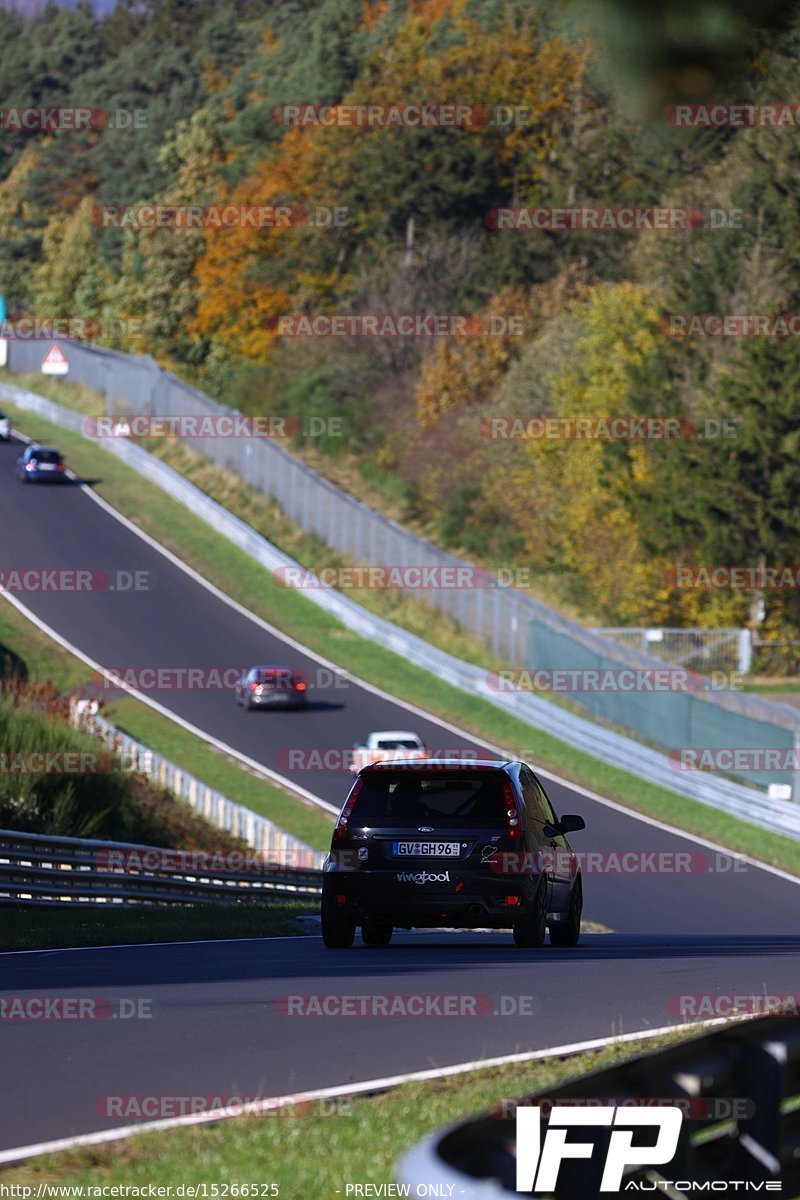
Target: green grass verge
317 1150
45 659
42 657
233 571
310 824
70 925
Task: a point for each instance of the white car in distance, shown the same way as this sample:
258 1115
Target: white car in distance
387 745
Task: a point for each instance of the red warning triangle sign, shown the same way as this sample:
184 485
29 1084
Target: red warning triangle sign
55 356
55 361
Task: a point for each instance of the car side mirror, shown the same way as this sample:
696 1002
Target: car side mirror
571 824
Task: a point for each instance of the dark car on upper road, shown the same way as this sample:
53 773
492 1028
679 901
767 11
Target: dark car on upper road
272 687
39 464
446 843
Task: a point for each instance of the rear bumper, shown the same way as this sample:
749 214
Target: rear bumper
462 901
278 700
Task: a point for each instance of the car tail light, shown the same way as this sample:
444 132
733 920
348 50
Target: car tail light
300 685
340 828
59 466
254 687
341 898
511 900
31 464
513 823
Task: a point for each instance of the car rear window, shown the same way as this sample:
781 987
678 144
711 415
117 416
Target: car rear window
274 676
398 744
48 456
404 798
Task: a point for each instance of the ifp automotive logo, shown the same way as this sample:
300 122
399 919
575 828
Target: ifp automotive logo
539 1160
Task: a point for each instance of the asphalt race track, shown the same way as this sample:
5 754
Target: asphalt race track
717 927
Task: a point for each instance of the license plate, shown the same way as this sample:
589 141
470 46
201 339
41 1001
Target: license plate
46 467
427 849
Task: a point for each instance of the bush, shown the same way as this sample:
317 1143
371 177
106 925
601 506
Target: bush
106 802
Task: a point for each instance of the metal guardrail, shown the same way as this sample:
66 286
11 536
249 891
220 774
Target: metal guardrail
750 1069
207 802
500 615
43 869
750 804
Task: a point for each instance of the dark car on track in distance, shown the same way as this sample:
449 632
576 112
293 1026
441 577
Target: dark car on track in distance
39 464
272 687
444 843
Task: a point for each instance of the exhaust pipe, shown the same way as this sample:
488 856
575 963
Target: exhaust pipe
475 910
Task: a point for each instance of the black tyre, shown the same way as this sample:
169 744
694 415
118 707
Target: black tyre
375 933
338 931
531 930
567 933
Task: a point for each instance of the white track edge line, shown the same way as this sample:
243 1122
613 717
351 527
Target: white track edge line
407 705
342 1091
275 937
259 768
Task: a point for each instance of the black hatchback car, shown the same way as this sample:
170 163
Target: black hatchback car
451 844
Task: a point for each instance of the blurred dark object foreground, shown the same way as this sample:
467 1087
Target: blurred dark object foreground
681 50
750 1069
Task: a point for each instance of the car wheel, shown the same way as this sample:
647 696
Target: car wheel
567 933
375 933
338 931
531 930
